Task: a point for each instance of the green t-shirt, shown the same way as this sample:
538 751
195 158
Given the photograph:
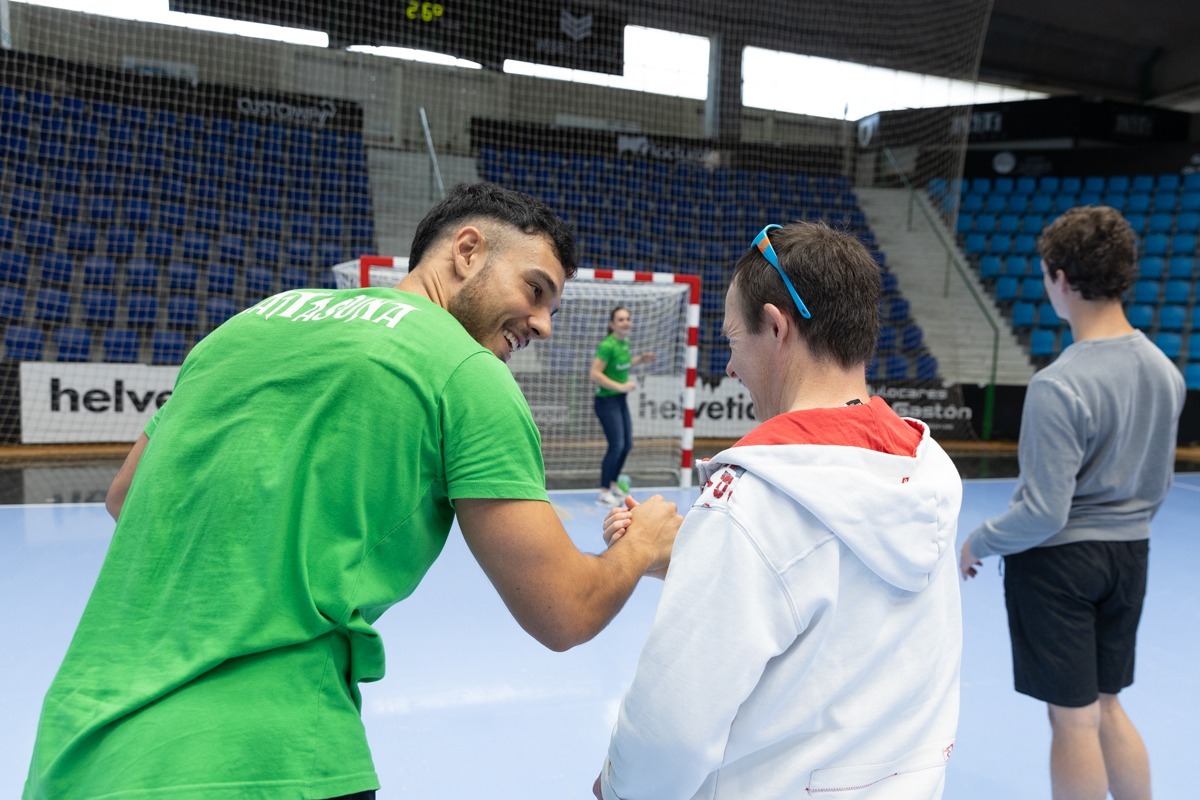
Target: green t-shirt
298 483
615 354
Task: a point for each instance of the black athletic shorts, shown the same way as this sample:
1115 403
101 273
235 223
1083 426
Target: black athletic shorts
369 795
1073 613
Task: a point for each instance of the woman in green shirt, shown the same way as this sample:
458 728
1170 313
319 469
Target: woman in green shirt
610 373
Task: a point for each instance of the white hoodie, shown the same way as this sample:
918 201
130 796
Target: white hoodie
809 635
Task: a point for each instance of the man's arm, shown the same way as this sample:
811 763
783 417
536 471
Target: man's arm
1050 451
115 498
559 595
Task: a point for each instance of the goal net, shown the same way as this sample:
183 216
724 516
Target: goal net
553 373
157 178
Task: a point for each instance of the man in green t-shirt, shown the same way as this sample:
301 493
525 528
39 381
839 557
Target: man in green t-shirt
302 478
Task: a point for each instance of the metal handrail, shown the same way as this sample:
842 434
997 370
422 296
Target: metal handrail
437 170
989 403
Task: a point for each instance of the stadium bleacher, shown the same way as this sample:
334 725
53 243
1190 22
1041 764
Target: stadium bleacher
122 218
646 215
1163 211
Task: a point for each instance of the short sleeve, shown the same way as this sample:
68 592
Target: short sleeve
492 448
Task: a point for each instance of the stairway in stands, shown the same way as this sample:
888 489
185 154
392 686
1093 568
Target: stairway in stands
956 330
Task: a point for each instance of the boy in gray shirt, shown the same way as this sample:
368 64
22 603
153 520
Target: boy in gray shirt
1096 453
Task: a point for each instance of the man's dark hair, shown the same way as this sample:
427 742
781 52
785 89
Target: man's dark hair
1095 248
835 276
469 201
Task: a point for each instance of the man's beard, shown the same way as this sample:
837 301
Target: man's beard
470 304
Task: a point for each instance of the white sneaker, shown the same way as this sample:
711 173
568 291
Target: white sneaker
608 499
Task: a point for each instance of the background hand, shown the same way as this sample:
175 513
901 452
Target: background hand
967 562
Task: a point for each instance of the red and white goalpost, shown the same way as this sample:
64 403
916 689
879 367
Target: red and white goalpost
553 373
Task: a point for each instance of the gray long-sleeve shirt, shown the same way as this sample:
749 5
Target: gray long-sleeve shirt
1096 448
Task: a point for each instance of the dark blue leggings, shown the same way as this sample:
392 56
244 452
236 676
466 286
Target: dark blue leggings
613 411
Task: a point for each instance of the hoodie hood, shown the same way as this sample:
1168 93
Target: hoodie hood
879 482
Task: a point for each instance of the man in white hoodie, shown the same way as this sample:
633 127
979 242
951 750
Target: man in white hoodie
809 636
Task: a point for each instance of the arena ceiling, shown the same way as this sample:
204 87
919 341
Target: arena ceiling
1145 52
1129 51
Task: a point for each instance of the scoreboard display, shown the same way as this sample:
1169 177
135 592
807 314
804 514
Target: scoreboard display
578 34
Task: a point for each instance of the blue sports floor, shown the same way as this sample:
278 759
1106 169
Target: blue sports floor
472 707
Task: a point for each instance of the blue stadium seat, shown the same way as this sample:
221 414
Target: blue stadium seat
984 223
141 273
221 278
171 214
895 367
260 283
1015 266
1183 244
7 232
81 237
1188 222
1193 346
1170 343
1180 267
1000 243
1032 288
23 343
52 305
64 206
13 268
1026 185
299 253
330 227
12 303
1042 343
136 212
167 347
1024 244
159 243
887 338
1167 182
911 337
1164 202
1041 203
1022 315
896 309
990 266
1146 292
182 276
101 210
183 311
1008 223
98 306
217 310
1161 222
1155 244
57 269
1142 183
995 203
141 309
1137 222
972 203
119 241
1139 203
1150 267
1191 375
1172 318
1033 223
206 218
194 246
39 234
1177 292
965 223
1141 316
926 367
1003 185
99 271
1117 200
1046 316
1017 203
72 344
231 248
294 278
1188 202
270 222
266 251
121 345
1006 288
331 253
301 226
